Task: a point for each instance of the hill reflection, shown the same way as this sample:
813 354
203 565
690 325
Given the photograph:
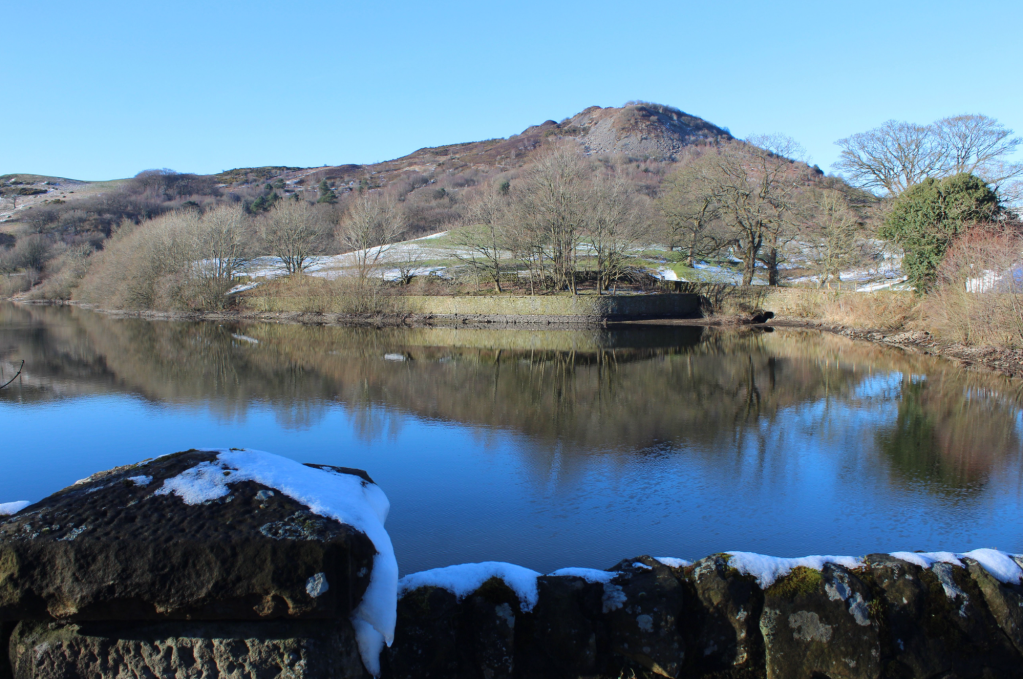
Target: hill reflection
730 398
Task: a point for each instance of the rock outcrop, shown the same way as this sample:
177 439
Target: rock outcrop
115 547
197 565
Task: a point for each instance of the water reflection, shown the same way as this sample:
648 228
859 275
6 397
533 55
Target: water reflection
659 425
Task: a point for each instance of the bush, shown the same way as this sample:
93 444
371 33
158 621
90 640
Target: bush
977 297
12 284
184 261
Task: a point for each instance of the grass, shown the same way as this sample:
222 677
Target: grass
882 310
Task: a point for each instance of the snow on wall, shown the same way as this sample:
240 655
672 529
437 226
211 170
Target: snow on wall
768 569
672 562
587 574
1000 565
466 578
343 497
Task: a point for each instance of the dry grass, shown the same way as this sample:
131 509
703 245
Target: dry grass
882 310
309 294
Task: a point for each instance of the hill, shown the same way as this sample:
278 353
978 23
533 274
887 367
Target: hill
639 130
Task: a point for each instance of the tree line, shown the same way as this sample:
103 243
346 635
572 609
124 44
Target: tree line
754 206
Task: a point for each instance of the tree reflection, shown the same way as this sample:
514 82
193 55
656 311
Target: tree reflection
721 398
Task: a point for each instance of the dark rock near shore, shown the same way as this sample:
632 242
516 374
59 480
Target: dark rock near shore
185 650
1004 601
642 609
429 645
818 623
938 623
723 621
566 637
111 548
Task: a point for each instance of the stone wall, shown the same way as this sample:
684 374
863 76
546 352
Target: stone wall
113 577
532 309
888 618
646 618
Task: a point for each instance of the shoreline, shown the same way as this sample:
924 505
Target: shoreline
999 360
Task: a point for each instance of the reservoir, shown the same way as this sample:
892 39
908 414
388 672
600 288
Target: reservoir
545 448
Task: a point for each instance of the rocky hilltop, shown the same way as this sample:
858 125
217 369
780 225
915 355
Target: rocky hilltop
641 131
638 130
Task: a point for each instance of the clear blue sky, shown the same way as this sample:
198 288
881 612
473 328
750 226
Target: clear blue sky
105 89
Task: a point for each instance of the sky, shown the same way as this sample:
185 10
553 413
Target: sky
104 90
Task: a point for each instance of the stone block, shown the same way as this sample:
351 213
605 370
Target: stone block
113 548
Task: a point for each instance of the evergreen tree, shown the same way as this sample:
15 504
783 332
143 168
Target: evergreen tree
327 194
265 201
927 217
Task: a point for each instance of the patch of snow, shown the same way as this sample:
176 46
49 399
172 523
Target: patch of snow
927 559
343 497
431 237
245 338
394 357
642 566
881 285
1000 565
768 569
666 274
371 644
672 562
8 508
419 271
140 480
986 282
587 574
466 578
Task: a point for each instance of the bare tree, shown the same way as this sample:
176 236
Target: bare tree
613 225
689 206
891 157
978 145
829 237
407 262
756 190
484 240
368 228
221 241
292 231
550 203
897 155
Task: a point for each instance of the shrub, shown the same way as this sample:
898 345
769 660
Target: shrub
977 297
184 260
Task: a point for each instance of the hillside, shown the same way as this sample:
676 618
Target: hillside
638 130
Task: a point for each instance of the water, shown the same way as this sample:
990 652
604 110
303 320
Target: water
543 448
